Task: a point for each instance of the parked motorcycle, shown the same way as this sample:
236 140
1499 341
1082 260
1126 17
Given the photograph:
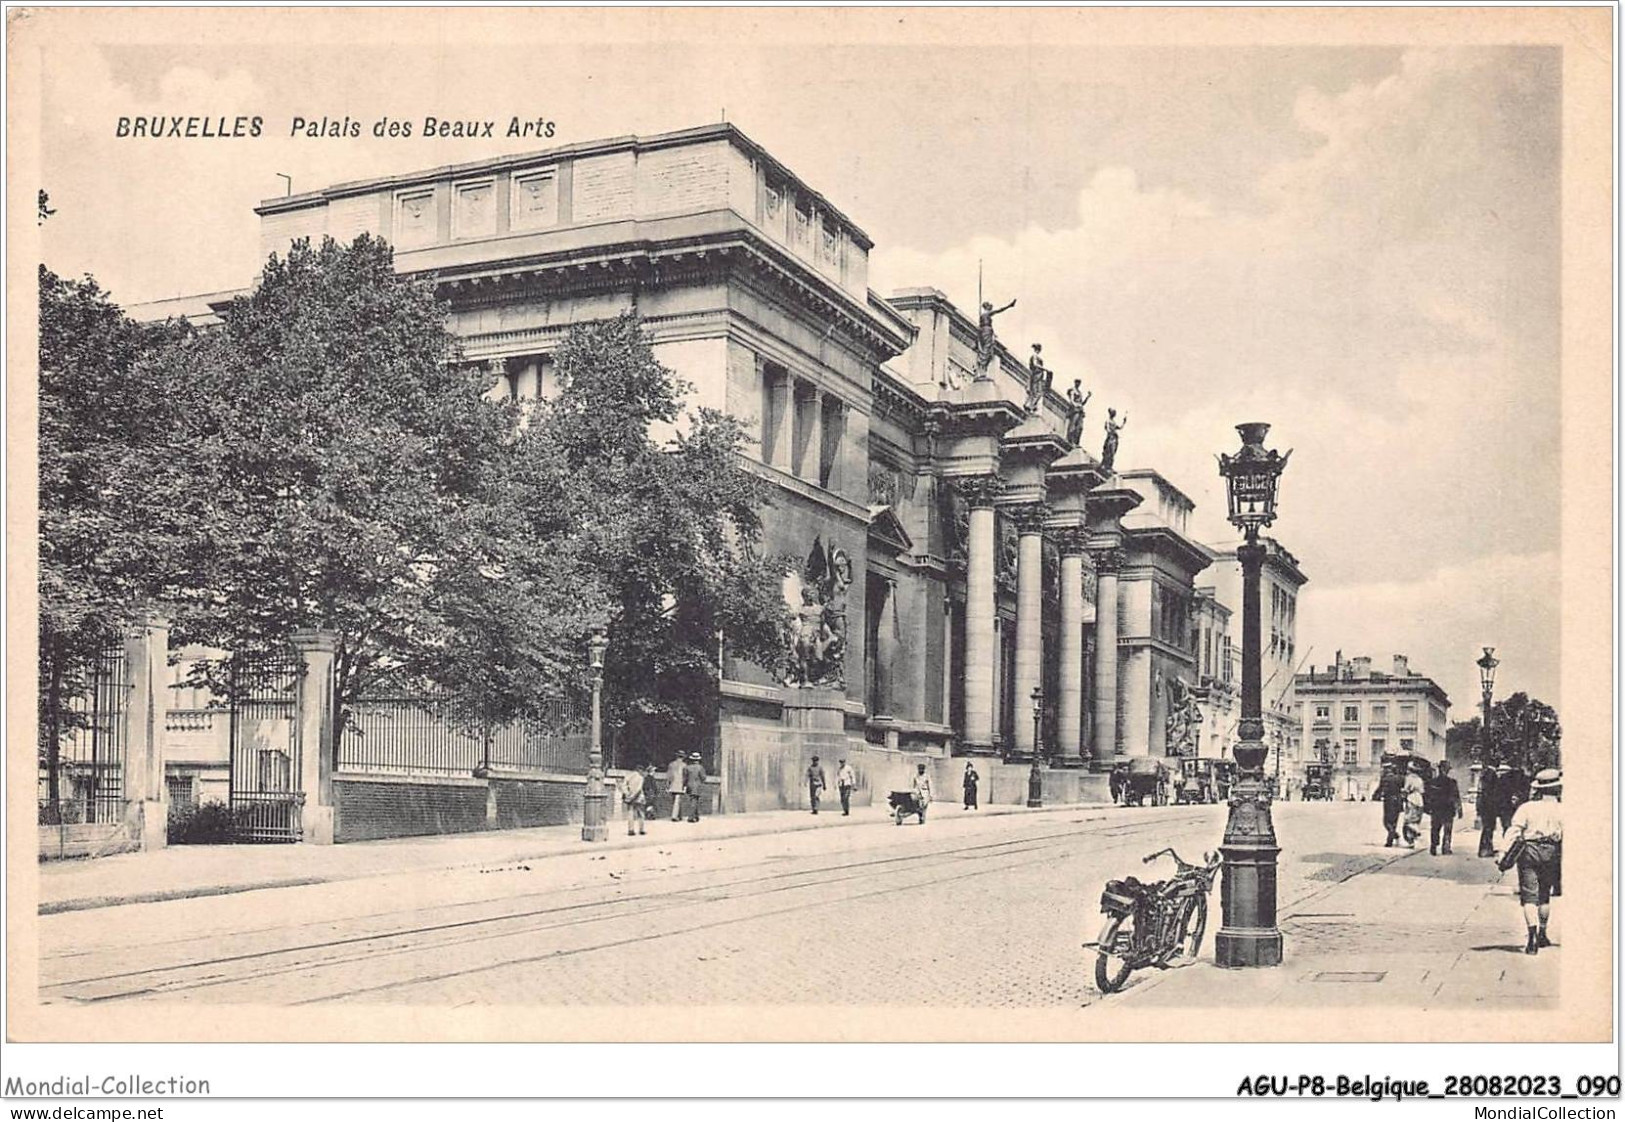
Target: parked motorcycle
1156 924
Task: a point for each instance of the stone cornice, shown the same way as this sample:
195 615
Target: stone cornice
1164 542
844 507
975 418
705 246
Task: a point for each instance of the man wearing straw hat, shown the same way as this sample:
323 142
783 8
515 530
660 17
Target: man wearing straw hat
1534 843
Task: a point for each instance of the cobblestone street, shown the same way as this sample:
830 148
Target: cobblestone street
966 911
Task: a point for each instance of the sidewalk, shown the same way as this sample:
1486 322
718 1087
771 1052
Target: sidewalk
179 872
1413 930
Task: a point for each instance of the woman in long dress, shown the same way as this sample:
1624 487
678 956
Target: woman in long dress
1414 792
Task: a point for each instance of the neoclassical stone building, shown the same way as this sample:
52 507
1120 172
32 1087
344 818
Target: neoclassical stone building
960 551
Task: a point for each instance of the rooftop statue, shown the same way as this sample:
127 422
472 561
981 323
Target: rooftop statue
1076 399
1039 378
986 342
1108 451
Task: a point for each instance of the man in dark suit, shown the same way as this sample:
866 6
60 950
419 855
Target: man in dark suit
1441 798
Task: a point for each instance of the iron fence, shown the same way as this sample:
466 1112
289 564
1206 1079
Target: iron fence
420 736
265 795
90 758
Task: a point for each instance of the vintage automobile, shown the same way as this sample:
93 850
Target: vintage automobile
1224 778
1145 781
1200 785
1317 783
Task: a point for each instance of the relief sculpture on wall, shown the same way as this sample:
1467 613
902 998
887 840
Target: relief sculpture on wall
818 634
1184 719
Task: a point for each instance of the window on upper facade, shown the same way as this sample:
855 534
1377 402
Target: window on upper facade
1407 711
1379 745
1351 714
1351 751
1406 744
1323 712
1379 712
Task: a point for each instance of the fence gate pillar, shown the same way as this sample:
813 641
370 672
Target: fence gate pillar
314 701
146 662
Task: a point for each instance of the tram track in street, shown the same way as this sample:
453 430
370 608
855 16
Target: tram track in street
195 974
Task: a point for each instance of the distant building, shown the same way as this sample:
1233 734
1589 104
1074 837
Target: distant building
1279 583
1354 714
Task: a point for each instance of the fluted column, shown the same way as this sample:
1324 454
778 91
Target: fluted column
1069 705
886 652
1107 562
1029 521
979 492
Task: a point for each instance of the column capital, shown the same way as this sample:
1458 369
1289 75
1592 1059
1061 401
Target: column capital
1108 561
1028 518
979 491
1073 541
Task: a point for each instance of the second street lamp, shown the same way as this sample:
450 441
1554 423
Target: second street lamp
1249 935
594 824
1482 750
1035 778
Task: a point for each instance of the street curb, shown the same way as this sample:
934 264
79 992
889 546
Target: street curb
156 896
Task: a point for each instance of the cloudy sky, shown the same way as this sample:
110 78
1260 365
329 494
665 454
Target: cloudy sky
1357 244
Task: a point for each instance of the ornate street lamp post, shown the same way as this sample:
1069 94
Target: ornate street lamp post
594 827
1249 935
1035 778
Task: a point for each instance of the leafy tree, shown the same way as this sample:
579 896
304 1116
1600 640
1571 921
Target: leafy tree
339 445
111 473
1524 733
673 531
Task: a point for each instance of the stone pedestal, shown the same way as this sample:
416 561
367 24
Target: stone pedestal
313 726
1248 935
146 661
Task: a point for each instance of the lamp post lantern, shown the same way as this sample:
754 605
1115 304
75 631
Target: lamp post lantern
1035 778
1249 935
594 826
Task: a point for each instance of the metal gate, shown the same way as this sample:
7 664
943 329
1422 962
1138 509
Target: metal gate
91 759
266 795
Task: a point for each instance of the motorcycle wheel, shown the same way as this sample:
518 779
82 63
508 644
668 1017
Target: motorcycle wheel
1188 931
1111 968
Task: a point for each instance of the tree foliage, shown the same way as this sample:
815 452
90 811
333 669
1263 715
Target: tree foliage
1524 733
672 530
110 445
328 460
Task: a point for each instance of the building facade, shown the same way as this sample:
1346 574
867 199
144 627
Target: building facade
1354 714
962 553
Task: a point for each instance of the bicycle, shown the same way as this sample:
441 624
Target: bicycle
1152 924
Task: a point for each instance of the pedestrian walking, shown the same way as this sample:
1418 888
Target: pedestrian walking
637 810
1391 792
1534 842
674 785
1489 800
816 782
1442 800
1414 792
972 781
1115 783
922 791
845 780
651 791
693 785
